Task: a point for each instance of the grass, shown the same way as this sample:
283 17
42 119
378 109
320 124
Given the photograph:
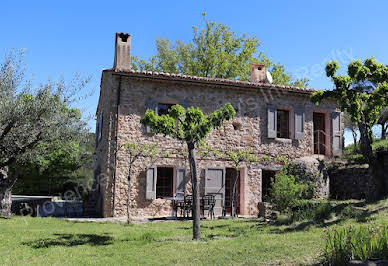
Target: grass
47 241
355 155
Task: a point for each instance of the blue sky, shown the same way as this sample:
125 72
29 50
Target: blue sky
63 37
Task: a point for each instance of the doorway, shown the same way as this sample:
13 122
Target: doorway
319 133
267 179
230 179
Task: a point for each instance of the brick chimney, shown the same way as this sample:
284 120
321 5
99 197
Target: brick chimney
122 60
258 73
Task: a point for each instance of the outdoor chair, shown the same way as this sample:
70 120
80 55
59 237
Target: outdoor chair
179 202
188 205
208 203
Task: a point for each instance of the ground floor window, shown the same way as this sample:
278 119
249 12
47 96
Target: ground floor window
164 182
267 177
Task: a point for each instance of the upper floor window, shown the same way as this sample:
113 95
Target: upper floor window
163 108
282 124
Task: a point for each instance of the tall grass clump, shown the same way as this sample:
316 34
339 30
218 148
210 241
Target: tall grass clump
355 243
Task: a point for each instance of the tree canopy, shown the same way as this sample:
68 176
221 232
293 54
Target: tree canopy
215 51
30 116
362 93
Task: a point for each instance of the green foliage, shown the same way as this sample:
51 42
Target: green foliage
241 156
54 168
281 159
215 51
360 243
362 93
33 116
190 125
286 192
312 211
350 212
266 158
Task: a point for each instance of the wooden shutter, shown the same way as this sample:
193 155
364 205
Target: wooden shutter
299 124
151 104
151 175
215 184
336 134
180 184
272 127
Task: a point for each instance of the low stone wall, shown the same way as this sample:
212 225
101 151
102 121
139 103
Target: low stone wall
355 181
350 181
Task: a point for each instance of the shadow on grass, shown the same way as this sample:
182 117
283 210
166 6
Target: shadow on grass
71 240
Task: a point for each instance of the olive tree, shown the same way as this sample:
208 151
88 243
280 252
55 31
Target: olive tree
30 116
192 126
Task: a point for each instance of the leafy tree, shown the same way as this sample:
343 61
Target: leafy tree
238 158
30 116
55 168
383 122
215 51
362 93
191 126
135 152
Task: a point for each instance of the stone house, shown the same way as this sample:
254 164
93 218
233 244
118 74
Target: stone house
272 120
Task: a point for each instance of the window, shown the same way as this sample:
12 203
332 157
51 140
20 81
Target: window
163 108
164 182
282 124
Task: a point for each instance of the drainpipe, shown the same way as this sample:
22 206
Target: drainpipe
117 146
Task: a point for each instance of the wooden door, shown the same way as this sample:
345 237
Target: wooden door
215 184
229 182
319 133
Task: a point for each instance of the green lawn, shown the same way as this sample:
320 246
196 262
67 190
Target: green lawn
47 241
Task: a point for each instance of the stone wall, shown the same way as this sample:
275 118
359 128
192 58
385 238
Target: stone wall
350 181
354 181
251 115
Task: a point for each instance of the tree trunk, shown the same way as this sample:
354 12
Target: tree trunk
194 183
374 166
384 131
129 196
354 133
234 196
5 194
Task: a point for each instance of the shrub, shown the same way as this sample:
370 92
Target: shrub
286 192
308 210
359 243
322 212
350 212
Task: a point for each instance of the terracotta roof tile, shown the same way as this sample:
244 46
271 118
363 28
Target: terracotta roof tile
215 81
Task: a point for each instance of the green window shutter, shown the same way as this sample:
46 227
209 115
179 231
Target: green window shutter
151 175
215 184
180 180
336 134
272 127
299 123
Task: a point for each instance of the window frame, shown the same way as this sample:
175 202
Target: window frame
278 127
171 182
